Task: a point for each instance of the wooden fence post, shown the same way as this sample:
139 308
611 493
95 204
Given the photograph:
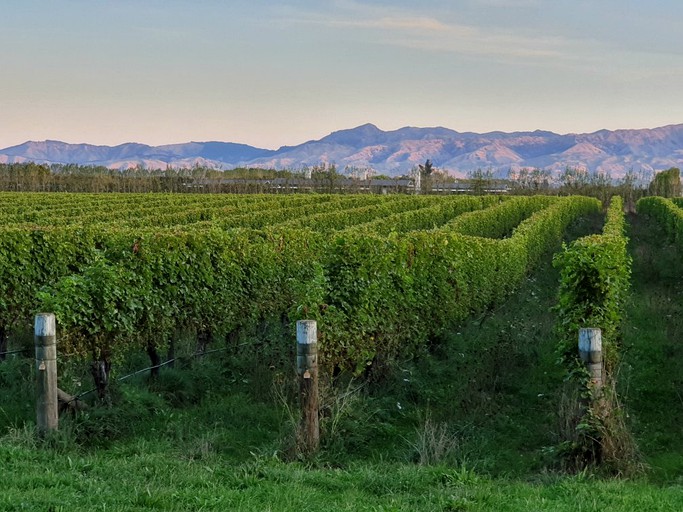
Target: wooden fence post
47 416
590 351
307 370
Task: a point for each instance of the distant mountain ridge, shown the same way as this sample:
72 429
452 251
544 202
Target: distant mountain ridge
392 152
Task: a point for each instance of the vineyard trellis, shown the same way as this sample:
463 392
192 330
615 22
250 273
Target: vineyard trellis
379 274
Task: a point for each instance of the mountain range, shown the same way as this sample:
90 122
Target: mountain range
392 152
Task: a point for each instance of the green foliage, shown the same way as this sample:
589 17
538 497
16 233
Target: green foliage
544 229
529 181
595 277
89 178
98 309
430 216
377 296
390 297
32 258
339 219
500 220
666 183
480 181
668 212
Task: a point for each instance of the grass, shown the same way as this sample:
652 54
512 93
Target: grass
652 369
140 476
469 426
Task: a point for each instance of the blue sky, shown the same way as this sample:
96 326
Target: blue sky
279 73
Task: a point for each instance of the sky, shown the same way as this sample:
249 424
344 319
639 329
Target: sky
274 73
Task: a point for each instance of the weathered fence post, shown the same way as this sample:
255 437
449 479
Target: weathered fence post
590 351
307 370
47 416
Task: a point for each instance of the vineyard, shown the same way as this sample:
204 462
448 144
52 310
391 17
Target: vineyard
436 308
381 275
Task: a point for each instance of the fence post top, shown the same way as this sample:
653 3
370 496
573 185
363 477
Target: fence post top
45 324
306 332
590 340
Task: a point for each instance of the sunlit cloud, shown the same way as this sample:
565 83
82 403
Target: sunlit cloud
408 30
453 31
507 3
418 23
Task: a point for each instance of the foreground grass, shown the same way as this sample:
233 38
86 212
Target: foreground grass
138 477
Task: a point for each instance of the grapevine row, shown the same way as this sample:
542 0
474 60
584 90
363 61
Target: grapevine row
668 212
595 275
374 296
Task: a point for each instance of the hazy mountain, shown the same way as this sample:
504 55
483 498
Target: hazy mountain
214 154
393 152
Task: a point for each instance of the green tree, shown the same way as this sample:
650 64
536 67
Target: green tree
426 171
631 187
326 178
530 181
480 181
666 183
573 180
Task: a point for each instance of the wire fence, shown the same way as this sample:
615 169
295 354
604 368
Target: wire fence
160 365
138 372
9 352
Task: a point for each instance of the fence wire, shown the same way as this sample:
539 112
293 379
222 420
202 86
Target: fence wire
20 351
165 363
137 372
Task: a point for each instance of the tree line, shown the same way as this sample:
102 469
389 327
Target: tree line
328 178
